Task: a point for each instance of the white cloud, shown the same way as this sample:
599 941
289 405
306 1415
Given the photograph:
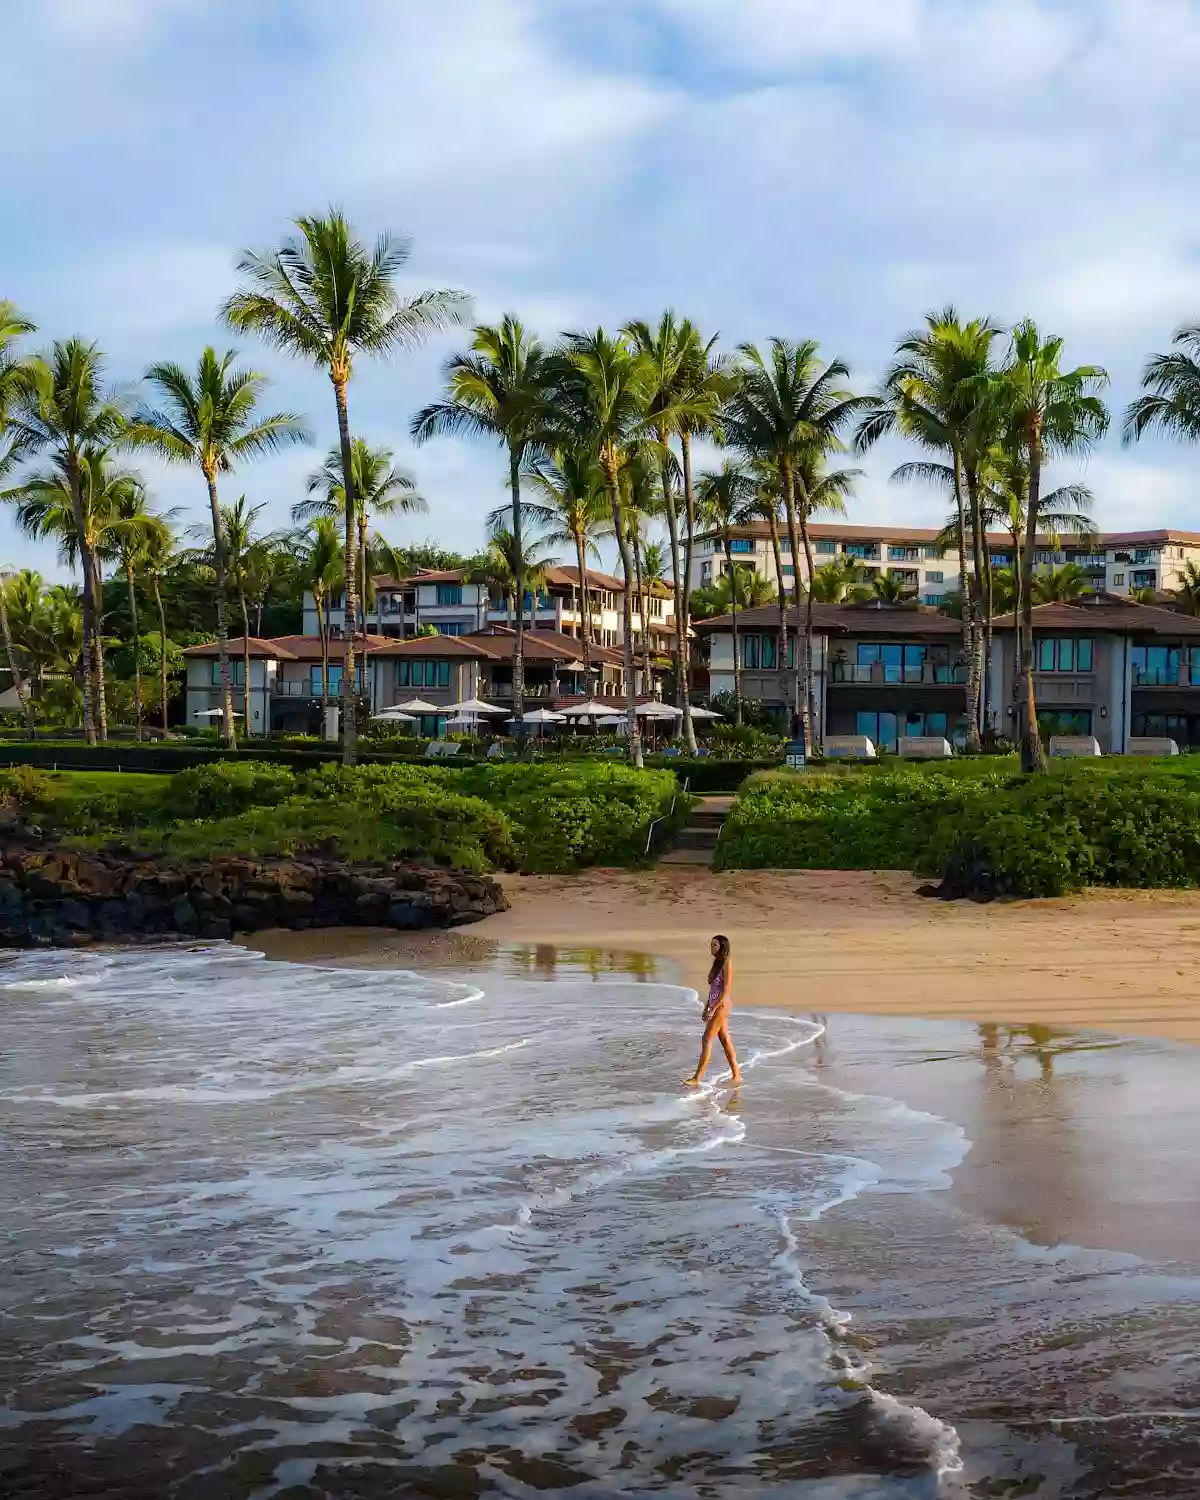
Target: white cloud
772 35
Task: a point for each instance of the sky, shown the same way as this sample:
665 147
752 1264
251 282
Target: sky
765 167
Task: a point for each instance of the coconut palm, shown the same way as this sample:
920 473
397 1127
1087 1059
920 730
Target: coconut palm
641 504
211 420
833 580
784 405
1143 595
10 657
59 408
324 297
243 548
16 372
724 499
496 389
689 384
887 587
159 557
321 565
1186 592
939 393
572 506
133 534
601 388
1064 585
1054 412
380 489
1172 405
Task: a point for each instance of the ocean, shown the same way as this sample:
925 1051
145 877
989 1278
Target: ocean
272 1229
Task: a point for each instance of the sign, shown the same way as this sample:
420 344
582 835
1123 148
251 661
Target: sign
794 755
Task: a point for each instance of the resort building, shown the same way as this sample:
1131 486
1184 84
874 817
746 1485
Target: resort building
449 602
286 676
1105 666
1116 562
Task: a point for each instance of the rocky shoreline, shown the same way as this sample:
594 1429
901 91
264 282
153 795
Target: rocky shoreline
62 898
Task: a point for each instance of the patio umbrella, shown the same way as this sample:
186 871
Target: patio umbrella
419 706
475 706
592 709
215 713
541 716
393 716
614 721
704 713
656 710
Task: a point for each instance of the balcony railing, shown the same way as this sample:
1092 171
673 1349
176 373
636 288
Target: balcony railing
1166 677
933 674
502 692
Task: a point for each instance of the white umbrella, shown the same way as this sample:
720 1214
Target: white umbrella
592 709
704 713
655 710
475 706
419 706
393 716
614 721
215 713
541 716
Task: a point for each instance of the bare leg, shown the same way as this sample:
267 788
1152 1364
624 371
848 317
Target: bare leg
727 1043
710 1030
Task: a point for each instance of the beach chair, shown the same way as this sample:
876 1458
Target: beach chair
495 751
849 747
672 752
704 753
442 749
1073 746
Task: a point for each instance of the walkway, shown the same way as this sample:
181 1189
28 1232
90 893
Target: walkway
696 841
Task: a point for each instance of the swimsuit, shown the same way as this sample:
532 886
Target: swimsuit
714 993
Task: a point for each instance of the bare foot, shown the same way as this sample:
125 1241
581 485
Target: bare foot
735 1077
691 1083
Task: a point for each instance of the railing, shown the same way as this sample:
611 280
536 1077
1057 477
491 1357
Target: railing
499 690
670 813
1166 677
932 674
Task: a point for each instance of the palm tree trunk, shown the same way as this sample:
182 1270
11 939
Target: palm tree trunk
799 699
683 608
682 695
350 612
258 609
137 662
614 495
585 612
162 651
981 602
518 668
643 609
781 596
245 659
1033 757
816 727
737 652
89 623
220 568
98 652
968 609
363 591
18 682
323 631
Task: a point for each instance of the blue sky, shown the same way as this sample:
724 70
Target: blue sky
764 166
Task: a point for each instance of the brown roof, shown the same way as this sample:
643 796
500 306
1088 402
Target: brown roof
497 643
236 645
1107 614
609 581
845 619
453 646
1149 538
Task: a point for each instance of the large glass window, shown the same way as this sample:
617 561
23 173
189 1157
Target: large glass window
751 651
449 593
1156 666
900 663
741 544
861 549
933 575
335 679
417 674
1063 654
237 672
826 549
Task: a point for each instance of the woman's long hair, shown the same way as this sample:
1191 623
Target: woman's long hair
722 957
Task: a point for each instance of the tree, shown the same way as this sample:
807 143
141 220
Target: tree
497 389
723 501
641 503
886 587
1172 383
601 391
573 507
1054 412
688 385
751 591
134 534
513 571
380 489
786 411
939 392
321 566
60 409
16 376
158 557
1186 592
1065 585
325 298
10 657
211 420
238 521
833 580
1145 595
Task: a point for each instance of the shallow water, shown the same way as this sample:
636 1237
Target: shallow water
282 1230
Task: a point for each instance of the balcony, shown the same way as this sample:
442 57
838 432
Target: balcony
931 674
861 552
502 692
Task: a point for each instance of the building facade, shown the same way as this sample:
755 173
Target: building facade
1105 667
1116 562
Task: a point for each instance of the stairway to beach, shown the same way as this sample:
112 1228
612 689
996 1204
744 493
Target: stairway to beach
696 841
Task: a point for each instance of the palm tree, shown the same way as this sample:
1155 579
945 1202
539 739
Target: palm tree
1063 585
886 587
939 393
788 409
1186 592
324 297
321 566
1055 412
723 501
380 489
689 384
133 534
60 409
513 571
1143 595
497 390
16 372
1173 383
641 502
601 392
238 521
211 420
833 580
158 557
573 507
6 579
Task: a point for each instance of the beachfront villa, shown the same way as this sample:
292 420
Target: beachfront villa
453 605
286 677
1104 666
1115 562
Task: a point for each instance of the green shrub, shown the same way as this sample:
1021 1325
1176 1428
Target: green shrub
218 791
22 787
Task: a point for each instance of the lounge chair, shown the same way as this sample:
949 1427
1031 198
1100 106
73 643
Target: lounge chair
442 749
704 753
672 752
495 751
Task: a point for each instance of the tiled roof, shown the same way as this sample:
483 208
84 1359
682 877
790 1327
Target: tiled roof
292 647
1108 615
844 619
258 648
458 647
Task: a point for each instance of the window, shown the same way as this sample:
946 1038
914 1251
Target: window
933 576
1145 554
1144 578
449 593
884 728
452 627
861 549
932 551
826 549
935 601
1001 560
412 673
899 663
1063 654
760 652
1118 580
904 554
881 729
1077 721
741 544
237 672
750 651
1157 666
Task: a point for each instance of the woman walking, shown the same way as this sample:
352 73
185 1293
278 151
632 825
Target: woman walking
716 1012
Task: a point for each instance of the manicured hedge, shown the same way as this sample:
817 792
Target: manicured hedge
1116 824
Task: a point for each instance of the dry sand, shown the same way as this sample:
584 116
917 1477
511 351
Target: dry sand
850 941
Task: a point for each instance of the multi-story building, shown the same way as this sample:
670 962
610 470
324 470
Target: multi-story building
453 605
1104 666
1117 562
